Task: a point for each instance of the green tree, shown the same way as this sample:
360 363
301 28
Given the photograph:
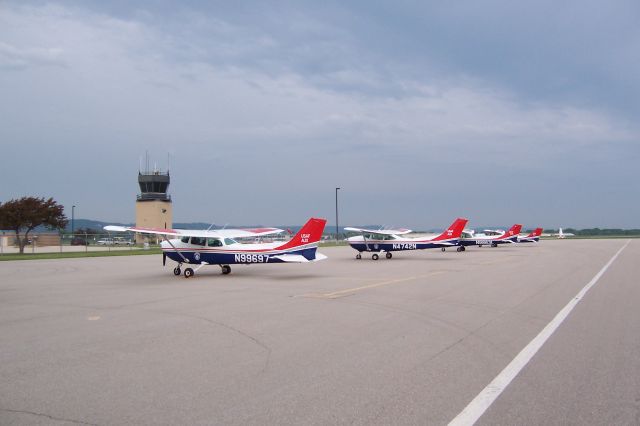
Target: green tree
27 213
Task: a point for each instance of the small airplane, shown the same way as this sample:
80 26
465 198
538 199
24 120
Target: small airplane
561 234
490 237
533 236
219 247
389 240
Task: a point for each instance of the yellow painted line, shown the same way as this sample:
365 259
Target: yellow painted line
95 318
350 291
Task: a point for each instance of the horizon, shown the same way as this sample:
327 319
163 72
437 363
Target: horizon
262 110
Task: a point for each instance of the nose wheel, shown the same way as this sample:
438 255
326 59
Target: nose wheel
177 271
226 269
388 255
358 256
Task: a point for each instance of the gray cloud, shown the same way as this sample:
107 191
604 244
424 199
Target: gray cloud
418 113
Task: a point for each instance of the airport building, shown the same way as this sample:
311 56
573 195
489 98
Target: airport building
153 204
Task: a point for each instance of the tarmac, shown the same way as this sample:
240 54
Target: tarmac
410 340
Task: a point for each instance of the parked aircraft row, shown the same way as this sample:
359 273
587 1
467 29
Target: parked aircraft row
198 248
390 240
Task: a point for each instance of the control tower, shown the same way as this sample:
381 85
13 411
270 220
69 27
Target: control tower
153 204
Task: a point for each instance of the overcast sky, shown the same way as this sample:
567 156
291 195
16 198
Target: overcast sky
498 111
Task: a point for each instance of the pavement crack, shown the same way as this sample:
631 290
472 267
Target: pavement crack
253 339
58 419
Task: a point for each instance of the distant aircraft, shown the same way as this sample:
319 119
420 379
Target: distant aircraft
218 247
561 234
533 237
389 240
490 238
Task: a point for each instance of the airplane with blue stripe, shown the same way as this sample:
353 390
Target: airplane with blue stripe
390 240
219 246
494 239
532 237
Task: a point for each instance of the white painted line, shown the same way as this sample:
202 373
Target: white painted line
488 395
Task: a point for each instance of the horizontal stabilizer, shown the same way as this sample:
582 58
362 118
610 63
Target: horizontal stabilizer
292 258
298 258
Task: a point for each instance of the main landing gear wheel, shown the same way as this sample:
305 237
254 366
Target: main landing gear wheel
188 273
177 271
494 245
226 269
358 256
374 256
461 248
444 249
389 255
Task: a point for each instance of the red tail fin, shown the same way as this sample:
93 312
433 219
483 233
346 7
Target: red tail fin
536 233
514 230
311 232
454 231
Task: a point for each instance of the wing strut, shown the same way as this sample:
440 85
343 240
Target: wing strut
175 249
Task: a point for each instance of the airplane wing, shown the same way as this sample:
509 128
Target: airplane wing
221 233
400 231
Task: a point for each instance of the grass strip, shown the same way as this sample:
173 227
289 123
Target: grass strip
78 254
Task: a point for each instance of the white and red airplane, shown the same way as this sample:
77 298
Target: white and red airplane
533 237
493 240
218 247
388 240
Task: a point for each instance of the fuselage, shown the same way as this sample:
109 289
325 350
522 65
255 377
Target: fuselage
388 243
227 251
470 239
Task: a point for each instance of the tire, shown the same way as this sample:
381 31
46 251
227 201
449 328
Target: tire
374 256
389 255
358 256
226 269
459 249
188 273
177 271
443 249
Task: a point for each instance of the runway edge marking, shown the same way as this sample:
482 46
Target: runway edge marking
489 394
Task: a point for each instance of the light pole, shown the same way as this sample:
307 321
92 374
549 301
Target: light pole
73 213
337 215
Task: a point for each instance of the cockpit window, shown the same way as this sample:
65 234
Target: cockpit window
198 241
229 241
214 242
185 240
